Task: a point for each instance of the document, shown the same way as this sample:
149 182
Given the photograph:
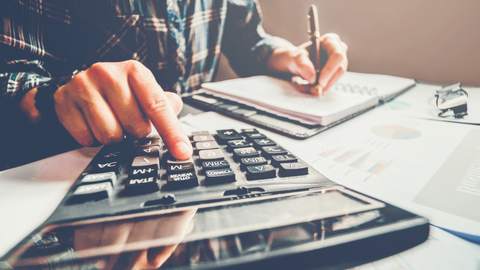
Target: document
428 167
353 93
441 251
29 194
400 160
420 102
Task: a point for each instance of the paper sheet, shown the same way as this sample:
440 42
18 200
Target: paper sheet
420 103
395 159
282 97
441 251
29 194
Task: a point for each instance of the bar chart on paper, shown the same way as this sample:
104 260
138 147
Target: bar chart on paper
366 158
376 151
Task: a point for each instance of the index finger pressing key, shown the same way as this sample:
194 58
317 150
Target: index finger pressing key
158 109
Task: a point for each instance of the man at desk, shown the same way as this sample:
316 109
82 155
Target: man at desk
134 57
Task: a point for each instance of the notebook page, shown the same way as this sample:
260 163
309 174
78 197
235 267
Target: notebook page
282 97
385 86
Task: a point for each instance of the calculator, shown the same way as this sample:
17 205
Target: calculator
242 201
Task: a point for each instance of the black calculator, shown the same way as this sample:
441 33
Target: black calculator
242 201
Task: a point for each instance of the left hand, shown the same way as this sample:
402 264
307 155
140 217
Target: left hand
296 61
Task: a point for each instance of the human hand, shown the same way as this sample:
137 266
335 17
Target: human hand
296 61
108 99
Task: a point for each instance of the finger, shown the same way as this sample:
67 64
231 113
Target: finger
157 107
120 98
176 101
338 74
99 116
336 58
304 67
71 117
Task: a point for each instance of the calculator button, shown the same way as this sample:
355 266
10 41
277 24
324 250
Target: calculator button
141 185
292 169
182 180
228 134
245 131
182 167
145 161
143 166
148 151
208 155
97 191
260 172
252 136
203 138
259 143
195 133
147 142
100 177
219 176
106 156
244 162
206 145
246 152
171 160
268 151
211 165
237 144
277 159
112 166
143 171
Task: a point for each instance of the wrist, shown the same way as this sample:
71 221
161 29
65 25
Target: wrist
279 60
44 101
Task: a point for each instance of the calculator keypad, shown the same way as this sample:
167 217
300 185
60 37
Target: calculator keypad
226 158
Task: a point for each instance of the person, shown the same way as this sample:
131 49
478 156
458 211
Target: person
134 58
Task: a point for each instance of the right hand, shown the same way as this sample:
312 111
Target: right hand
105 100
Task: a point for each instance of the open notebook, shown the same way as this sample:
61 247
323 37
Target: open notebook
353 93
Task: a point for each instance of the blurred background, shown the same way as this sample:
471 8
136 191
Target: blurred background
434 41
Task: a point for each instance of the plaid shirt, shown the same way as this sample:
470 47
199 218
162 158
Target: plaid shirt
179 40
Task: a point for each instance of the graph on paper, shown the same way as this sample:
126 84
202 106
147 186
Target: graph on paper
369 153
365 158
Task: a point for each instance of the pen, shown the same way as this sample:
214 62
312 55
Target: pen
314 33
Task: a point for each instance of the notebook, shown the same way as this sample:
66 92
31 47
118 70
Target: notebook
353 93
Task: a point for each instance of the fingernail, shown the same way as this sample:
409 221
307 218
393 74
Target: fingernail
322 81
183 149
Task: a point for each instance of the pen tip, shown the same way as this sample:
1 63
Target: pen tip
317 90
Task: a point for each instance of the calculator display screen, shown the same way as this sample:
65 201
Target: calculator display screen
270 223
283 211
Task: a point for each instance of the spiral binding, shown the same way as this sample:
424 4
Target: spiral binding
355 88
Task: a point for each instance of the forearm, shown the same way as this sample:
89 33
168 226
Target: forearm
245 42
